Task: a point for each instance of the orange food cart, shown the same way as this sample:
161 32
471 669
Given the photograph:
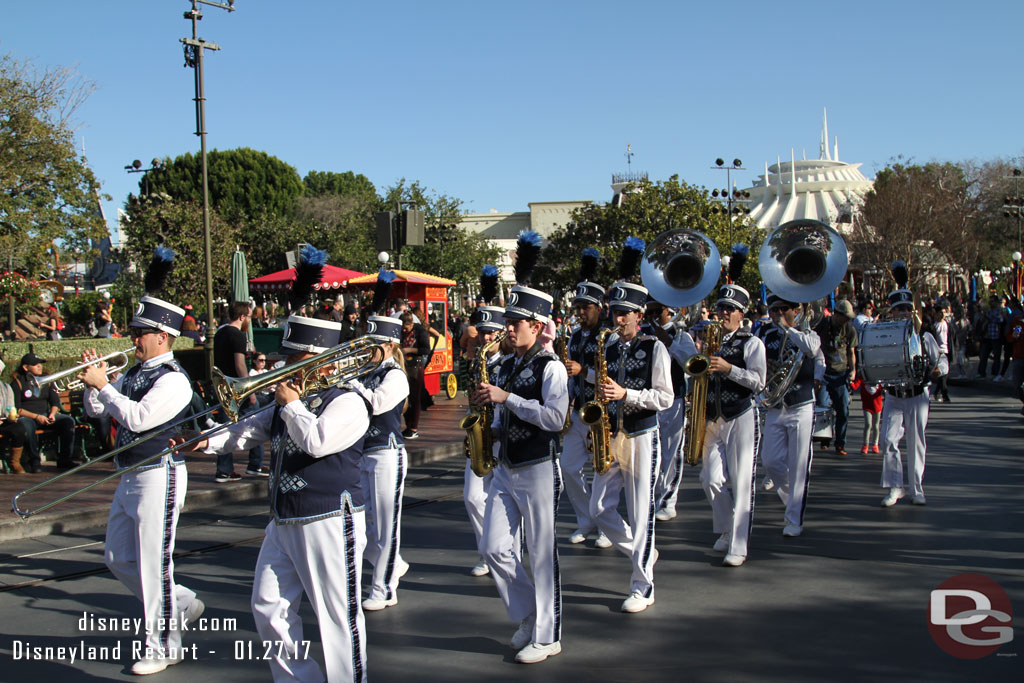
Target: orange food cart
430 295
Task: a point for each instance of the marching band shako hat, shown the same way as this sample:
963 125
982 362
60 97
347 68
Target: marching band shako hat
526 303
589 292
488 319
309 335
901 296
732 294
151 311
384 328
776 301
627 296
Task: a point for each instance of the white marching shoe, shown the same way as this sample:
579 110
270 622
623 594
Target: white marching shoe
153 665
792 530
403 567
578 536
767 484
376 604
895 493
665 514
722 544
636 602
919 500
194 611
537 652
480 569
602 541
734 560
524 634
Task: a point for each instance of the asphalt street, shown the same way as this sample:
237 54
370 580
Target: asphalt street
847 601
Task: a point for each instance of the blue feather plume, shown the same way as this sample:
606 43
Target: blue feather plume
309 271
381 291
158 270
738 259
629 261
489 283
527 254
588 265
900 274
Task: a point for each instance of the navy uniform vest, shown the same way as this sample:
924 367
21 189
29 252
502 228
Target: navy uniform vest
631 366
524 443
304 488
727 398
385 429
138 380
802 390
582 345
678 374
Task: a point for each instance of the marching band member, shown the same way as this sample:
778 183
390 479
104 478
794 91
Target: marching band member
738 372
315 539
672 421
529 413
639 386
905 409
488 321
385 461
144 513
582 345
786 440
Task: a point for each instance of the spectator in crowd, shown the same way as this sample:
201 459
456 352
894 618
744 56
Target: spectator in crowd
101 319
191 330
189 315
989 328
349 328
838 344
338 309
10 427
416 349
229 345
39 408
1015 348
264 397
53 324
865 315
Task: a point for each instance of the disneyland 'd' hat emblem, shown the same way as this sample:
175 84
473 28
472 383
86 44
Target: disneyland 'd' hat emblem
627 296
489 319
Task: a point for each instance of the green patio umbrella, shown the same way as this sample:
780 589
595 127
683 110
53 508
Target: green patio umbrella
240 286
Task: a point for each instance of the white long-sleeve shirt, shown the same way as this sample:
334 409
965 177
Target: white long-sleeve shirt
341 424
168 396
549 416
659 395
392 390
752 377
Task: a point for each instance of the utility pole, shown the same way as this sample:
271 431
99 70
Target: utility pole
194 49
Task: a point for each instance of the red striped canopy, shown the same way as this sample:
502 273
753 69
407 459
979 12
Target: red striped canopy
333 278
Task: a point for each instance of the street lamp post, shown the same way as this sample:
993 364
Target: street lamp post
195 47
735 200
136 167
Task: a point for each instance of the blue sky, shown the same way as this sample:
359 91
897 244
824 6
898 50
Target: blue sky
501 104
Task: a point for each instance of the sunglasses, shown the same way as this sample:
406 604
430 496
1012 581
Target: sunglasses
726 309
136 332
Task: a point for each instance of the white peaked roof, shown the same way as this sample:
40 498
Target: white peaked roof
824 189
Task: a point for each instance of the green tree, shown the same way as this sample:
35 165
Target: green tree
244 183
449 251
647 210
347 184
152 221
47 193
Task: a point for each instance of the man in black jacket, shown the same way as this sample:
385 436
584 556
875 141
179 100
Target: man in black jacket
417 352
39 408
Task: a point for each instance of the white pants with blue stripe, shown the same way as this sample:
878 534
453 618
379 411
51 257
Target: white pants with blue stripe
904 416
526 498
728 477
672 425
323 560
573 461
786 456
382 477
140 548
474 494
634 473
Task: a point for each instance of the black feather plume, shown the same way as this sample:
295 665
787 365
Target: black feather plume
737 259
527 253
629 262
381 291
900 274
588 264
489 283
158 270
308 272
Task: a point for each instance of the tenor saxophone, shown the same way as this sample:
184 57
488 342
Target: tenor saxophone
697 367
479 437
595 413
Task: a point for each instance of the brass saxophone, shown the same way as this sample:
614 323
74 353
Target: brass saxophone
562 346
697 367
479 437
595 413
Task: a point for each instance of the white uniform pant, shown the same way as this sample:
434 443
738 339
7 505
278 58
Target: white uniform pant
672 426
786 456
526 498
728 477
140 549
383 483
573 463
899 415
321 559
635 473
474 493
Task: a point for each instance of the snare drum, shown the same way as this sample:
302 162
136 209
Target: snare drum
887 352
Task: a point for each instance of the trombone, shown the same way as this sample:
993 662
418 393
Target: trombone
307 374
61 382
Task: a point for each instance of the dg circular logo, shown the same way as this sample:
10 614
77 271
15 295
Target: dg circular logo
970 616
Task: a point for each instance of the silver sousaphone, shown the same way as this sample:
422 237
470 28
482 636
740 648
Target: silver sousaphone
680 267
801 261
